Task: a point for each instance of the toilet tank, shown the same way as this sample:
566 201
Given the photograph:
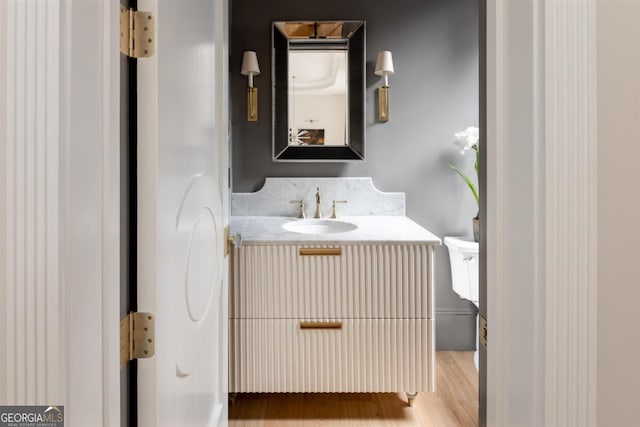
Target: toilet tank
463 256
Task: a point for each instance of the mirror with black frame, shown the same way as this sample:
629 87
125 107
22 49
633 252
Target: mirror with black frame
318 89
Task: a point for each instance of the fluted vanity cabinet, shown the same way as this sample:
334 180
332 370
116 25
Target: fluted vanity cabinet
354 317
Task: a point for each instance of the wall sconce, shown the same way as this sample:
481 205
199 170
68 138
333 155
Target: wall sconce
384 67
250 68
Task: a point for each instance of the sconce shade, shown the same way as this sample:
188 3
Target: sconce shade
250 64
384 64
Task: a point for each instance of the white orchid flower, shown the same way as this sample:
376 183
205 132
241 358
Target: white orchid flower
466 139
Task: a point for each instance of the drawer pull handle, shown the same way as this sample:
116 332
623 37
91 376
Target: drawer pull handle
320 251
320 325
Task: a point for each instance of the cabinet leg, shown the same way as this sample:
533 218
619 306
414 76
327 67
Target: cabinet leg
411 397
232 398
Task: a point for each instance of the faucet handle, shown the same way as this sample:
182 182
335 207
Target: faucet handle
334 214
318 213
301 203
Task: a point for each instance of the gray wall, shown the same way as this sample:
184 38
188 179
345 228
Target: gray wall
434 93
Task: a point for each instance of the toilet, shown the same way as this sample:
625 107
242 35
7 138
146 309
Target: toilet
463 256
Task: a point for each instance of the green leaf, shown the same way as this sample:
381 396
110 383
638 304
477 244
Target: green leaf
468 182
477 150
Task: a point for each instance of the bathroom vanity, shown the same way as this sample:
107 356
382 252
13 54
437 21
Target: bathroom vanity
331 305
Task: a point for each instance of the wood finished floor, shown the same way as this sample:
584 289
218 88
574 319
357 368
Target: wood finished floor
454 404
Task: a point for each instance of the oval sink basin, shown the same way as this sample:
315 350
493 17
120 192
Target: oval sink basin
319 226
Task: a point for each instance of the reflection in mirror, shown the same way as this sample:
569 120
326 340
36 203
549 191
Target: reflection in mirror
318 97
318 90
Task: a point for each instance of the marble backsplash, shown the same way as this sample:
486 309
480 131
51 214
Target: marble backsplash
363 199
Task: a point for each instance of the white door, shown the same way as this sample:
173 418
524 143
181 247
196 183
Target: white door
182 210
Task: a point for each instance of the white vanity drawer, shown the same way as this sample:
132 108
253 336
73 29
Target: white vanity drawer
386 355
357 281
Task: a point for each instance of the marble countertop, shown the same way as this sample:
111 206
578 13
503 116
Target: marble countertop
267 230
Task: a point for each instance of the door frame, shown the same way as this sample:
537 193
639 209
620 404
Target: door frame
557 41
540 233
60 103
90 153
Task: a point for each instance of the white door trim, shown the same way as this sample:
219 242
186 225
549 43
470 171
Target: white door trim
31 289
541 203
90 211
111 213
59 207
571 213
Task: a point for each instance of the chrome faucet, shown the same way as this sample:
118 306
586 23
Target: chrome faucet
318 211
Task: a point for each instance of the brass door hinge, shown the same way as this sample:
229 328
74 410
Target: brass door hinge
231 241
137 30
482 331
136 337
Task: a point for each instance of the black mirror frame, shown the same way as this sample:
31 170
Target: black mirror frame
282 151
